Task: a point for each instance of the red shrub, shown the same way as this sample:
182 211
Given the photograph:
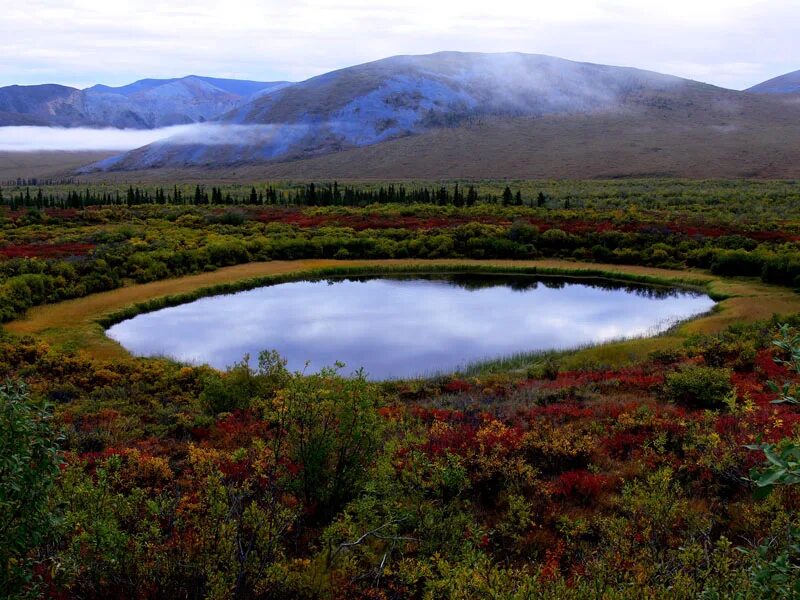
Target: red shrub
46 250
581 485
767 366
457 386
623 443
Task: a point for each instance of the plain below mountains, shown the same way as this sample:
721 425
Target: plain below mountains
145 104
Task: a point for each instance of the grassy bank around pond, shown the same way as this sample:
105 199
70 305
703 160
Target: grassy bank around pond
80 324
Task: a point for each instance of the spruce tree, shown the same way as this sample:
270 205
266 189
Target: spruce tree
508 196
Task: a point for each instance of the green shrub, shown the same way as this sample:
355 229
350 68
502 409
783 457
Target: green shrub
334 435
699 387
240 385
226 392
737 262
29 464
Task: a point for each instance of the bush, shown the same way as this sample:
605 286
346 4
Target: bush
29 464
699 387
240 385
335 434
737 262
230 391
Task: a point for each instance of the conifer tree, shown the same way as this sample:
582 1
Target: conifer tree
508 196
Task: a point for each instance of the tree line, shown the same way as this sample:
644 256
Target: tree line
311 194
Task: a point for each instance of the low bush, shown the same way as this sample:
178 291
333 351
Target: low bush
699 387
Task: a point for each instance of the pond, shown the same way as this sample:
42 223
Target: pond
405 326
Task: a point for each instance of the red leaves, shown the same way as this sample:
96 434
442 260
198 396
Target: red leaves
237 470
581 485
623 443
551 568
457 386
450 439
765 364
238 429
632 378
46 250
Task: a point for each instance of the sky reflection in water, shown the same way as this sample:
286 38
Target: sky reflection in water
401 327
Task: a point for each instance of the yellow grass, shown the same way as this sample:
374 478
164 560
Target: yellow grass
73 324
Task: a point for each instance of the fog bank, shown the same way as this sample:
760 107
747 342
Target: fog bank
37 139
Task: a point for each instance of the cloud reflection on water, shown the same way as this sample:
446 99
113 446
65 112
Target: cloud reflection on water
400 327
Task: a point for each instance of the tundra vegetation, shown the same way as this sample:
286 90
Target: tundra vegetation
674 475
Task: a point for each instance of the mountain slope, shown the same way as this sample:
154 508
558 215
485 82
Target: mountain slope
723 140
707 137
783 84
145 104
408 95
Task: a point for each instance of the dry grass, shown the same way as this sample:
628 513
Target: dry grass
73 324
46 165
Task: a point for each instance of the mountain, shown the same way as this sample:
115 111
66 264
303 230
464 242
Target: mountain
451 115
151 103
784 84
47 104
145 104
403 96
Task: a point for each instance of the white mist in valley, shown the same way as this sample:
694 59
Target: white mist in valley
42 139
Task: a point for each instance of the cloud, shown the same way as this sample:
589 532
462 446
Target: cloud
398 328
734 43
32 139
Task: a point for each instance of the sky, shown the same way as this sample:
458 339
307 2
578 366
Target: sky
731 43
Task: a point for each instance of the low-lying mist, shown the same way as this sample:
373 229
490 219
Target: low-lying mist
37 139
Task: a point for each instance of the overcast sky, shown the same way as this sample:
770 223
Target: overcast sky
732 43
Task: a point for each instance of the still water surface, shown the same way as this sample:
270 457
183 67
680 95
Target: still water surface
405 326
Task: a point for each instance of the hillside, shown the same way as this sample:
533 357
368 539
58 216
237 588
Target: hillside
750 139
783 84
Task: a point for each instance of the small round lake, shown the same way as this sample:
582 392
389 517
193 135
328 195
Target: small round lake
406 326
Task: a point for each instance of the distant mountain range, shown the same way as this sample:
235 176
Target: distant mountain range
446 115
145 104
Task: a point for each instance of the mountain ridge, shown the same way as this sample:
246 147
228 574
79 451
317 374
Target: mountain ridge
143 104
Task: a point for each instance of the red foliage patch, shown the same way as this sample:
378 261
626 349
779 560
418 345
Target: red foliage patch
769 369
455 439
633 378
46 250
623 443
457 386
581 485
